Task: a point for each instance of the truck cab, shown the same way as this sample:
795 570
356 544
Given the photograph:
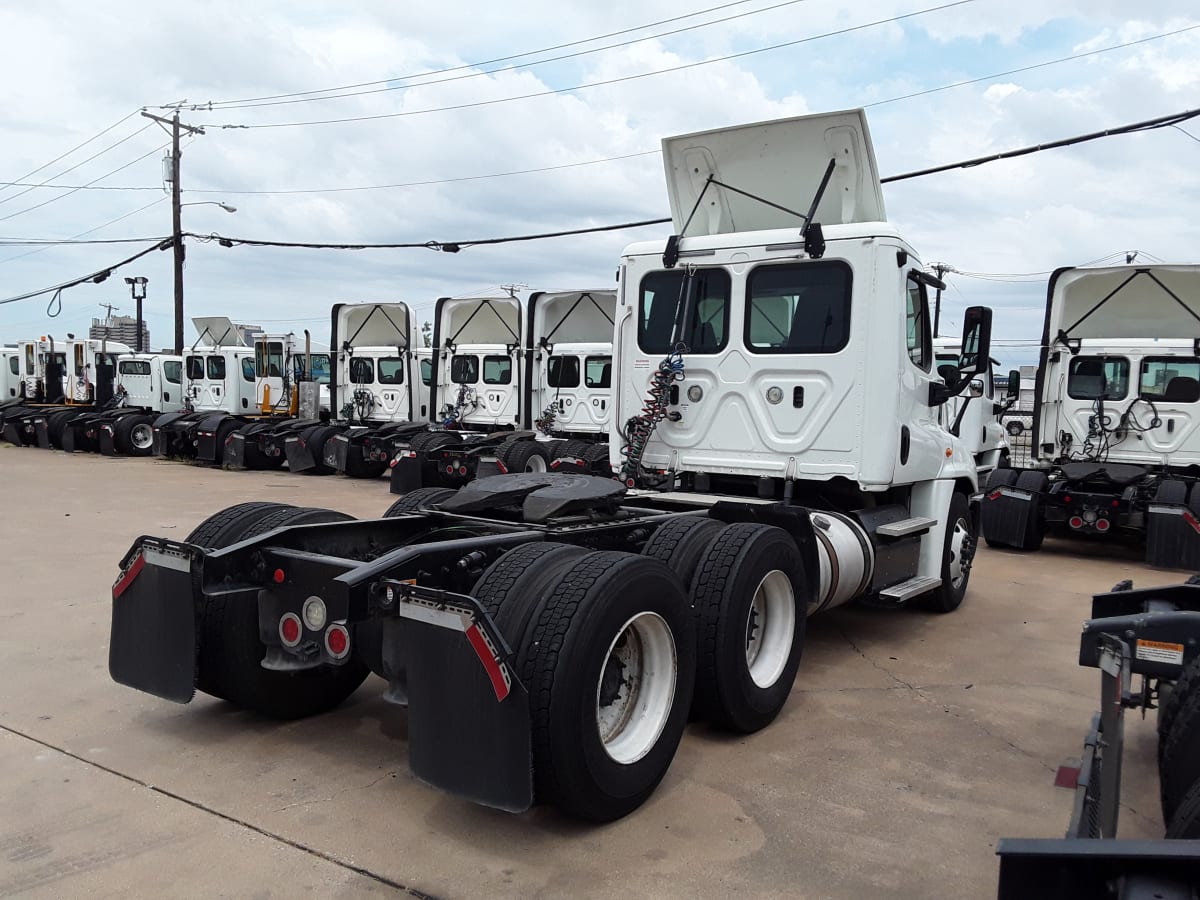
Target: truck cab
570 380
980 408
375 386
1116 418
42 370
92 369
761 354
10 373
153 381
477 377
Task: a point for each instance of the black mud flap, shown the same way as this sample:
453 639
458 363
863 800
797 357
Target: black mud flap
153 643
235 452
468 714
108 444
299 459
1172 537
1005 515
70 438
12 433
407 471
42 430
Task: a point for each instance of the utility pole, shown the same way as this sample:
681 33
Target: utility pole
176 218
941 269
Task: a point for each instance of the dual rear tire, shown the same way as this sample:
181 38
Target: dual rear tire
230 654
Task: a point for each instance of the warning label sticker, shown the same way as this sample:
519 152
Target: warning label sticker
1160 651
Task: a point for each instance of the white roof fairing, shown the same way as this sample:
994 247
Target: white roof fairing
782 161
1143 302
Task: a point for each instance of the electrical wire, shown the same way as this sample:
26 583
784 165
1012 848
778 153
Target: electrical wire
456 246
77 165
607 81
522 66
97 276
78 146
19 212
228 104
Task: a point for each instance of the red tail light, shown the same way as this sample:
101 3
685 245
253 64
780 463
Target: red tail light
337 641
290 630
1075 522
1102 524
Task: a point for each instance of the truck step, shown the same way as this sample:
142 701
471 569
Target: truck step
905 527
914 587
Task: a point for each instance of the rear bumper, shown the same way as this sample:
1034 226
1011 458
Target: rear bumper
468 714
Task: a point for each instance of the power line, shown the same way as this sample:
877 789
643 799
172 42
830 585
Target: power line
99 134
463 178
456 246
609 81
74 167
528 65
98 276
364 84
65 242
157 149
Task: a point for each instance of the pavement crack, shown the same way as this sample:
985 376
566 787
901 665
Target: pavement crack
336 794
232 819
884 669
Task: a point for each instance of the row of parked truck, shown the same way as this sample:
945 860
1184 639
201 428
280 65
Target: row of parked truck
526 385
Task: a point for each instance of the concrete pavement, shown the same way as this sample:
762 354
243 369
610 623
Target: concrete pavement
911 742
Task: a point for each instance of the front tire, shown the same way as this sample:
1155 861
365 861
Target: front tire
958 550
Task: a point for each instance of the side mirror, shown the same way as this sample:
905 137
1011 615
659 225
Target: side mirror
1014 384
976 341
976 389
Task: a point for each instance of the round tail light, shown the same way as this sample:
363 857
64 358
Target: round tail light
290 629
1075 522
337 641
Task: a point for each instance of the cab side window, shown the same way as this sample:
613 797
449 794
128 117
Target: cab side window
916 325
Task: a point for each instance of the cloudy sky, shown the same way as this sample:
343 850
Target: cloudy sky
621 76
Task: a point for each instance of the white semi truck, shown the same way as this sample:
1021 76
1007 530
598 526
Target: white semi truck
562 389
233 389
776 424
977 420
1116 419
476 394
61 383
379 390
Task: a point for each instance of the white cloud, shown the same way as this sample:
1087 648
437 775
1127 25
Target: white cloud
81 68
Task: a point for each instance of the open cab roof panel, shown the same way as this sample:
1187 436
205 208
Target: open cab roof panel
577 317
478 320
372 324
1132 302
783 161
217 331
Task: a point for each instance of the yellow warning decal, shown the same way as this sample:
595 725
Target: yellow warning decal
1160 651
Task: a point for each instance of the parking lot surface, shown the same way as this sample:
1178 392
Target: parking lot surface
911 743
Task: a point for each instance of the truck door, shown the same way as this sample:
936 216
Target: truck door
216 373
922 441
81 380
498 392
424 370
392 391
1097 388
1169 389
269 366
172 384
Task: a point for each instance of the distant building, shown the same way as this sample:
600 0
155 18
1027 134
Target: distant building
119 328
